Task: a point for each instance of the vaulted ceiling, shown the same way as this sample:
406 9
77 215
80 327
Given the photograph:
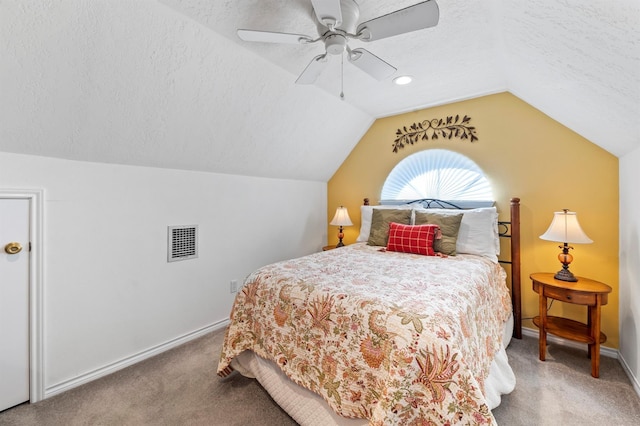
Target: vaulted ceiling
169 84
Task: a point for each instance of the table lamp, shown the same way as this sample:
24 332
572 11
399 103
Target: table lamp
341 219
566 229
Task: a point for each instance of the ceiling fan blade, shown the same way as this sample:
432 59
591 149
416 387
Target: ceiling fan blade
273 37
371 64
412 18
313 70
328 12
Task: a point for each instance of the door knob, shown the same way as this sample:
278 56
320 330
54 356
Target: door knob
13 248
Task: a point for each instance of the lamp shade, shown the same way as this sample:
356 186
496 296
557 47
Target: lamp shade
565 228
341 218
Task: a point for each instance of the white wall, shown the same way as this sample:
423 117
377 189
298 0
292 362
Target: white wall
109 292
630 265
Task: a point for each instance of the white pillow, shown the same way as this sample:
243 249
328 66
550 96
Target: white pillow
366 213
478 233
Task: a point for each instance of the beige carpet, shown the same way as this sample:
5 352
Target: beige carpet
561 391
179 387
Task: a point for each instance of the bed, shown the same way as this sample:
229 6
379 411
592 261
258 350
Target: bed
386 334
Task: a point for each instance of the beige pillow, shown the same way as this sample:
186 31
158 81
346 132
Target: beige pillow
380 220
366 213
449 227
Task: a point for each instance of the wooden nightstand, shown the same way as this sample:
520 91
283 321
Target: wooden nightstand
585 292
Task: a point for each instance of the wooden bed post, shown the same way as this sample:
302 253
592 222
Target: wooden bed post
516 294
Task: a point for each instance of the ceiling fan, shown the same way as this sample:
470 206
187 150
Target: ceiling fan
337 22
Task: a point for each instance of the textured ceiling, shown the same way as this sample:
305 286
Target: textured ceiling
576 60
167 83
459 58
135 82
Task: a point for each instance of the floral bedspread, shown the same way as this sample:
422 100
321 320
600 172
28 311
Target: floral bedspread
391 337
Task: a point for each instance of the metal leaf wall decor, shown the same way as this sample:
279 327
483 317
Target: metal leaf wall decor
451 127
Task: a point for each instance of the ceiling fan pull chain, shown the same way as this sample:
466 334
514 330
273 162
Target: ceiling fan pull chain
342 77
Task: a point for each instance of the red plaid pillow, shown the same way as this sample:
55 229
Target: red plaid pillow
417 239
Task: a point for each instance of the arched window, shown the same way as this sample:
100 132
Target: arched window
440 174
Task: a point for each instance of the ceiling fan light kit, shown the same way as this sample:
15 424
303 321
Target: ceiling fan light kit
335 44
337 22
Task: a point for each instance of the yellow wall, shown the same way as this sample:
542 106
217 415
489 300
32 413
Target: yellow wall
524 154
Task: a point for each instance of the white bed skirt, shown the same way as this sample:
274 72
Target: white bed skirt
309 409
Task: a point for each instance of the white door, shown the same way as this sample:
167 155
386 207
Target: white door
14 301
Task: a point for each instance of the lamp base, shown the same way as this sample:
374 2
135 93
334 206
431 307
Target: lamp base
340 237
565 275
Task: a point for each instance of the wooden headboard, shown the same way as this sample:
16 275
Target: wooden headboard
507 229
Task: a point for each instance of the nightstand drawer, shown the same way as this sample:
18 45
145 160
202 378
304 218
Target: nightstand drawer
569 296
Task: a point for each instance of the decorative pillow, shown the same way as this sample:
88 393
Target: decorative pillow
478 233
366 213
416 239
380 220
449 227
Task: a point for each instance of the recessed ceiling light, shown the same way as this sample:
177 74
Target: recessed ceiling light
402 80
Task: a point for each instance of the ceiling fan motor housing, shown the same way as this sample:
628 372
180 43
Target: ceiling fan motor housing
350 15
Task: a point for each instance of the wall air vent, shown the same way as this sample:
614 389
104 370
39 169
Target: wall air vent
183 243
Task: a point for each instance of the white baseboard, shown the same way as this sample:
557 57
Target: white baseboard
604 351
130 360
632 378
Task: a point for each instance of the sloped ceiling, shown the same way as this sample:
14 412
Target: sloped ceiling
135 82
169 84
